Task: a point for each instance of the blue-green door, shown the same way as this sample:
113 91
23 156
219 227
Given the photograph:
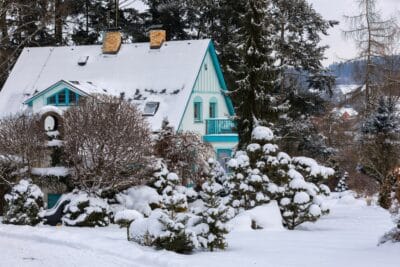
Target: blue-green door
52 200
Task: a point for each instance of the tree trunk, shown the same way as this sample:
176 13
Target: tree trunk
58 22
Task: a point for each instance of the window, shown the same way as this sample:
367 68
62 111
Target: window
150 109
64 97
72 98
198 106
213 108
51 100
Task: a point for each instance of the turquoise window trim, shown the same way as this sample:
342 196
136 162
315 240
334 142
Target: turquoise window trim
66 102
234 138
213 108
198 109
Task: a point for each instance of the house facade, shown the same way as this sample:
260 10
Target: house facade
180 81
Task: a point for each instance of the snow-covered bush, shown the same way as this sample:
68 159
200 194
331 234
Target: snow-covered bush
22 140
168 227
23 204
394 234
263 173
247 182
125 217
185 153
86 210
107 145
342 184
140 198
214 215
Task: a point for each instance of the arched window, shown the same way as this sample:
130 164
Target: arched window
213 108
198 109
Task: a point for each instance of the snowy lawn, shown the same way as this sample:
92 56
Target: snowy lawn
346 237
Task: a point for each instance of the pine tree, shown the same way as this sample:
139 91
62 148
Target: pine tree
256 74
342 184
215 214
295 183
175 237
379 147
24 204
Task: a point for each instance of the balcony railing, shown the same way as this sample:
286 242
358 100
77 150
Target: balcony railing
220 126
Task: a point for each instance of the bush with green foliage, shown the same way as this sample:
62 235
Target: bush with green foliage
24 204
86 210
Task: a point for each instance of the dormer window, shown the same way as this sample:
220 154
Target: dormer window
150 109
64 97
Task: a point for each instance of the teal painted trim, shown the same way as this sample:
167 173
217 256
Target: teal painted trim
61 82
206 92
221 79
197 109
221 138
191 94
67 92
214 56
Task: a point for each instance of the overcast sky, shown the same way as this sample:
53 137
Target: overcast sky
341 49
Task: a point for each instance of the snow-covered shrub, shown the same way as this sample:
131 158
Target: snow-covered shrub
85 209
23 204
247 182
185 153
342 184
125 217
22 140
162 181
140 198
394 234
214 215
267 216
167 228
107 145
263 173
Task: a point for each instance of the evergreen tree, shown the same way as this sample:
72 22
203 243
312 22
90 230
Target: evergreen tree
299 54
295 183
24 204
215 214
175 16
342 184
379 147
175 236
256 74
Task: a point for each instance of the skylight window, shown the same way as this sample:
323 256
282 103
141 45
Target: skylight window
150 109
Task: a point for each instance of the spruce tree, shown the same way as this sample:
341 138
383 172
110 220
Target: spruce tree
295 183
215 214
256 74
379 147
342 184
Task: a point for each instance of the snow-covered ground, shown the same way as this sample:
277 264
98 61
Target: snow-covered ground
346 237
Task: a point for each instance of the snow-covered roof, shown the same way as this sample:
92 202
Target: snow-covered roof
166 75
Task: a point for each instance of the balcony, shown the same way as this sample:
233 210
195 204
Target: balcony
220 126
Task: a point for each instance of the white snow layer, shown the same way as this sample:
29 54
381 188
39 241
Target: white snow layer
262 133
139 198
267 216
348 236
53 171
166 75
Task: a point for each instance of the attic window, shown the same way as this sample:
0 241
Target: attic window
83 60
150 109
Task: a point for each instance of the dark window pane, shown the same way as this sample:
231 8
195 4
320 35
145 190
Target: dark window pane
72 98
61 98
51 100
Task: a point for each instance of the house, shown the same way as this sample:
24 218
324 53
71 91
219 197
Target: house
181 81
